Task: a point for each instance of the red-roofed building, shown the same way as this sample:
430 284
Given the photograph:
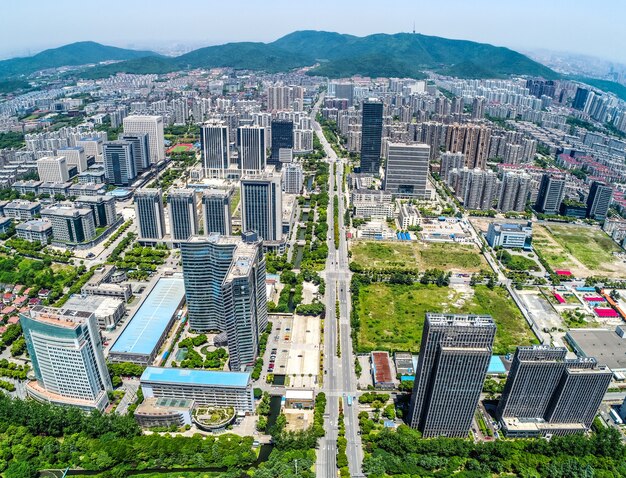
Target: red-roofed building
605 312
381 370
3 329
7 298
43 293
13 320
563 273
19 301
34 301
7 310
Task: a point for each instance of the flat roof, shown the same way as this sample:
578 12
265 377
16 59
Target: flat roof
299 395
382 369
146 327
185 376
606 346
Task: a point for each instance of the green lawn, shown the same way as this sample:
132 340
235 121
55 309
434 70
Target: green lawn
179 149
591 246
392 316
417 255
234 200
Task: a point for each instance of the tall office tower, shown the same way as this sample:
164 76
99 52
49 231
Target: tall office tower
580 99
534 375
345 91
371 135
102 207
216 211
75 156
514 191
406 171
480 190
53 169
119 162
149 213
141 150
252 154
66 352
452 365
282 137
550 196
450 161
579 392
470 139
153 127
225 290
181 205
261 205
478 108
215 148
293 178
599 200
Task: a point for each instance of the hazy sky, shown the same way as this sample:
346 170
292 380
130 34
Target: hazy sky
578 26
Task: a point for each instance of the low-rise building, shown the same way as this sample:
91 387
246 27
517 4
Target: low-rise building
303 399
409 216
22 210
164 412
381 370
5 224
88 189
204 387
511 236
108 310
27 187
37 230
101 283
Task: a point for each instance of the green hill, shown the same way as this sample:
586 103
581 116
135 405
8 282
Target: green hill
337 55
69 55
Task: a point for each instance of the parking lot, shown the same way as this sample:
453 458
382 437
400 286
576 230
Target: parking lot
294 350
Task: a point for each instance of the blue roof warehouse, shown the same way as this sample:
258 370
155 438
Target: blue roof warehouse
147 329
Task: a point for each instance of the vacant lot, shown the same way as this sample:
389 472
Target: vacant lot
583 250
417 255
392 316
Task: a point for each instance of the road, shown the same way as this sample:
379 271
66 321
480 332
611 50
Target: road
340 379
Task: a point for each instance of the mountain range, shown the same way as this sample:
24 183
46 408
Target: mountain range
334 54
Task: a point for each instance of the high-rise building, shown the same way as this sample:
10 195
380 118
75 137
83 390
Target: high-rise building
599 200
279 98
119 162
514 191
66 352
261 205
53 169
551 192
450 161
470 139
181 206
153 127
215 148
141 149
406 171
452 365
345 91
547 394
475 187
534 375
252 145
149 213
478 108
102 207
282 137
75 156
70 225
216 211
371 135
580 99
225 290
293 178
92 146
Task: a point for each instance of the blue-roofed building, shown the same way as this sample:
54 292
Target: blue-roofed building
205 387
143 336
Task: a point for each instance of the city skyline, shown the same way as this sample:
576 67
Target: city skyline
485 21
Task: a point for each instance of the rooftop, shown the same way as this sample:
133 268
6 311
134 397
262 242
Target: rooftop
195 377
67 318
146 327
460 319
37 225
605 345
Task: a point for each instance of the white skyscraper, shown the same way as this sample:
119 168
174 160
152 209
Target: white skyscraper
153 127
215 148
252 149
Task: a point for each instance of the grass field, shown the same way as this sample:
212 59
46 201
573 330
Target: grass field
584 250
179 148
416 254
392 316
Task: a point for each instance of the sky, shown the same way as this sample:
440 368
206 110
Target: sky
577 26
